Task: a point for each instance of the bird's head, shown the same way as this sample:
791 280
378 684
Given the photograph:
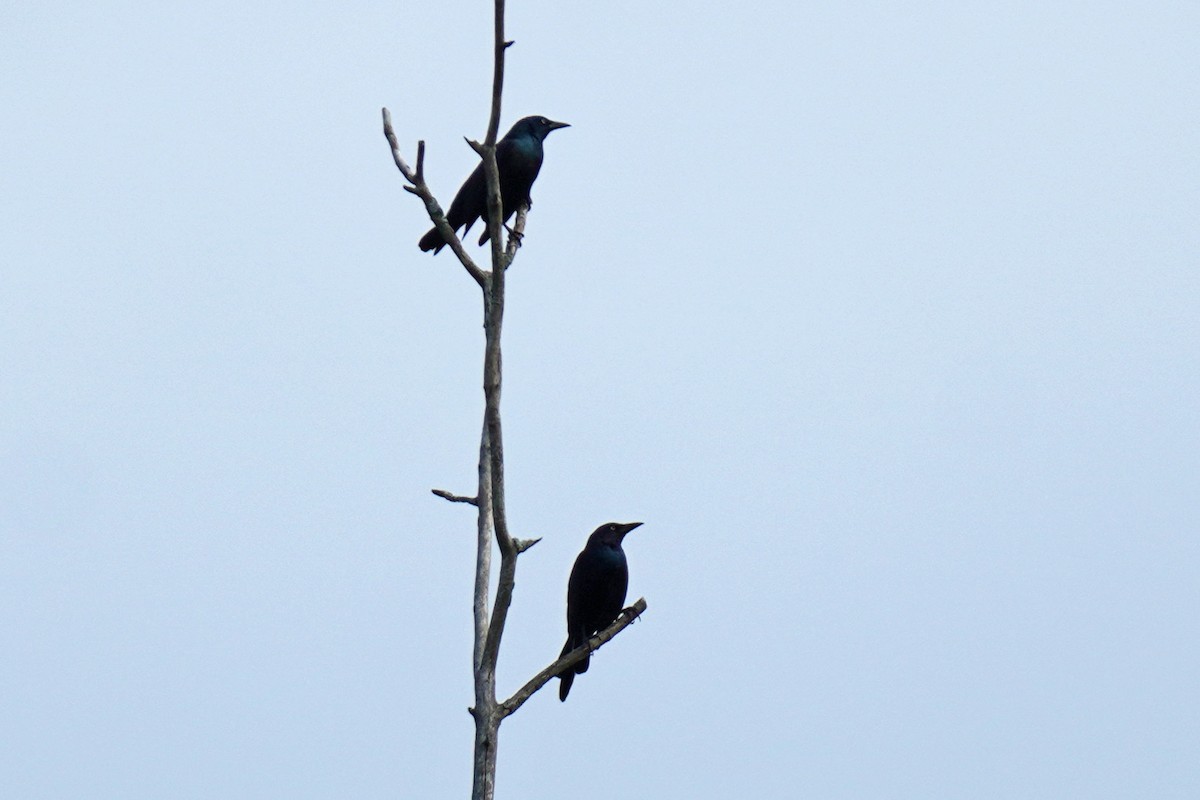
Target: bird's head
611 533
538 127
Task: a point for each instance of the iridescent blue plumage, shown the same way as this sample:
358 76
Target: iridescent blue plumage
595 593
518 158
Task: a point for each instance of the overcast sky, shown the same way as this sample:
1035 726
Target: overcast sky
882 317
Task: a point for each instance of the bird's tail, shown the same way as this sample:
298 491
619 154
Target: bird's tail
567 676
432 241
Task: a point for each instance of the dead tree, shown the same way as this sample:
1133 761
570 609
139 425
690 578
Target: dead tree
488 499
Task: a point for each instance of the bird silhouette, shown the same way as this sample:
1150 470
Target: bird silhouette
518 159
595 593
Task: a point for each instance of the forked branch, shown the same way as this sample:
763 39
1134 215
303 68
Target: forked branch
417 186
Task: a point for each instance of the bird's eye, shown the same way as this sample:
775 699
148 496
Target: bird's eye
545 121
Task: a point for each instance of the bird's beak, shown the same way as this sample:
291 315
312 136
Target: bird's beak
553 126
627 527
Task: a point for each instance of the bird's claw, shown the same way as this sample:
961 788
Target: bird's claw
514 234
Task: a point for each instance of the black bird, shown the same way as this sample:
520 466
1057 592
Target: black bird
595 593
518 157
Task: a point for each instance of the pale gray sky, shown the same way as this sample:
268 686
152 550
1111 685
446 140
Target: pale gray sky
883 317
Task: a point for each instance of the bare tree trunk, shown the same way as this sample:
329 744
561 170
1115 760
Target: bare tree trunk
489 497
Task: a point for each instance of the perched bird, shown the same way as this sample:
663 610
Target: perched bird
518 157
595 593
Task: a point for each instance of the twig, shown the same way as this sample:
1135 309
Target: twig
524 544
455 498
624 620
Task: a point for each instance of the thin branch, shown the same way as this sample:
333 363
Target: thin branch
515 235
524 544
504 591
491 173
497 74
491 384
483 559
455 498
418 187
623 620
405 170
